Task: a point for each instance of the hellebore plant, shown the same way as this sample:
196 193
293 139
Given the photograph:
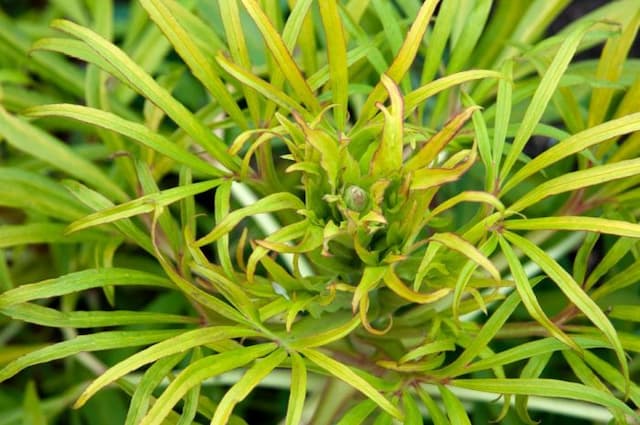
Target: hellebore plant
335 198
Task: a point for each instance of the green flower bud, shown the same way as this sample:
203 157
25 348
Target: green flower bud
356 198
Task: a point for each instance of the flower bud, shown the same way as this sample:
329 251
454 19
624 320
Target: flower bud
356 198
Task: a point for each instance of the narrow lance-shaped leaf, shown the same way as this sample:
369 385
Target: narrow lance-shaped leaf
92 342
238 49
134 131
456 243
47 232
297 395
270 203
417 97
576 223
142 82
152 378
327 336
39 144
327 146
429 152
80 281
435 413
345 374
388 157
574 292
574 144
468 196
243 386
503 113
144 204
543 94
44 316
169 346
426 178
337 57
269 91
610 66
281 55
393 282
195 58
528 296
454 407
96 201
577 180
403 60
544 388
197 372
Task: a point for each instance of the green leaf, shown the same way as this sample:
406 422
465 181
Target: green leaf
238 49
435 145
93 342
200 370
79 281
426 178
324 337
194 57
468 196
229 288
137 132
411 410
533 369
529 297
44 316
574 144
437 40
34 414
625 312
503 113
576 180
243 386
402 62
544 388
543 94
574 292
298 389
190 407
142 82
358 413
447 344
576 223
169 346
610 66
151 379
33 192
328 147
40 144
532 349
482 338
456 243
345 374
144 204
393 282
455 410
96 201
435 413
270 203
269 91
282 55
337 57
421 94
36 233
388 157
